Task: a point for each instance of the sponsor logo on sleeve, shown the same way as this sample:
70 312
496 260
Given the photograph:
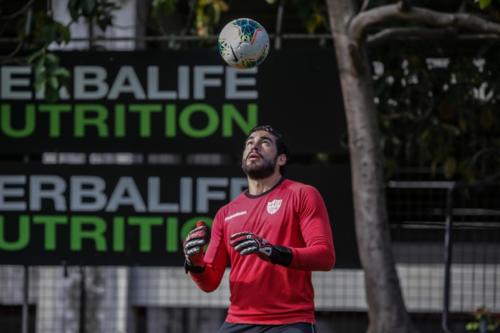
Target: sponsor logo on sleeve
232 216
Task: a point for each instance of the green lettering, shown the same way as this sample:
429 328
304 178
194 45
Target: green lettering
231 116
120 121
212 120
172 234
170 121
50 223
145 111
54 111
96 234
6 121
145 225
23 235
191 224
118 234
91 115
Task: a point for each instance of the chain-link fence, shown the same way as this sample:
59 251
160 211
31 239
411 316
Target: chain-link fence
446 234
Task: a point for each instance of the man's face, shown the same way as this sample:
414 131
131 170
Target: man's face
260 156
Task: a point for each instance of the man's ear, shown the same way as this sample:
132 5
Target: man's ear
282 159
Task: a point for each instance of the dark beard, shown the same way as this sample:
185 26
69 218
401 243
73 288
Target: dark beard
259 172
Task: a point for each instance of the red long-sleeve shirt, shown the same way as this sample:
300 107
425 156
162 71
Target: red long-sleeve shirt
291 214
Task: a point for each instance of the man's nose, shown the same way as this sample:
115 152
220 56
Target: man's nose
255 147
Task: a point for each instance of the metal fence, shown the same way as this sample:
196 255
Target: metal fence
450 234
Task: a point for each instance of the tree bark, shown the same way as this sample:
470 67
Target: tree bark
420 16
386 310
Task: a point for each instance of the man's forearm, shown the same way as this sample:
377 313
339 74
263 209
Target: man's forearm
313 258
208 279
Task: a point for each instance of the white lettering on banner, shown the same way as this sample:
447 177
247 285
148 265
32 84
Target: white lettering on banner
11 78
90 82
234 81
95 82
87 193
50 188
201 81
154 91
127 82
204 194
91 193
154 204
7 190
126 193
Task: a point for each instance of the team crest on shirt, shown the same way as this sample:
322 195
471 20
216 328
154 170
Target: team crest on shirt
274 206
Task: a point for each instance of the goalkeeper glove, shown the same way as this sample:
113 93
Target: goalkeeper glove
193 248
248 243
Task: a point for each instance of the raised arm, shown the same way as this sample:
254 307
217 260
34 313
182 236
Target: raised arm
206 269
319 252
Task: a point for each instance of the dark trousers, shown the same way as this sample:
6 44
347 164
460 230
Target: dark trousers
250 328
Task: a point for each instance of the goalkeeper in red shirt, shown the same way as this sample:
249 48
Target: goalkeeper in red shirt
273 236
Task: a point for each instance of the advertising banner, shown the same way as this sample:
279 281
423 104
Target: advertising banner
165 101
109 215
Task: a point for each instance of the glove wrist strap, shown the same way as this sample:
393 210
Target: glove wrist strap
193 269
281 255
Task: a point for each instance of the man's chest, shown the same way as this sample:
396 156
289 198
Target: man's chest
266 217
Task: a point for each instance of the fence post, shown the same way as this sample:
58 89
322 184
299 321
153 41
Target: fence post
83 301
26 281
448 251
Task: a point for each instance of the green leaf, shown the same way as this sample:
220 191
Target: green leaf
487 119
483 4
49 33
35 56
66 34
462 124
408 150
434 165
451 129
51 95
39 65
88 7
52 59
450 167
390 167
54 82
425 135
40 84
166 7
61 72
104 21
74 9
472 326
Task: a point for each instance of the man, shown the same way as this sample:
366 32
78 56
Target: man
273 235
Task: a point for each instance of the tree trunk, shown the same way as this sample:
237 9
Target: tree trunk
386 310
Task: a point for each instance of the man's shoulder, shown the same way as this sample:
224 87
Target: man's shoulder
224 209
297 186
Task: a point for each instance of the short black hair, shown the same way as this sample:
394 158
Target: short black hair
280 143
281 146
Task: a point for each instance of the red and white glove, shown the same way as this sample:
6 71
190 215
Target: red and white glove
246 243
194 247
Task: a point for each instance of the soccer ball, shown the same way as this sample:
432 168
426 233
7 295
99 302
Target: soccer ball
243 43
